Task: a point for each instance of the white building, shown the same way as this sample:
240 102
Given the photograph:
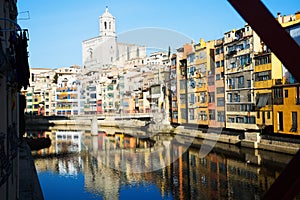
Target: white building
104 50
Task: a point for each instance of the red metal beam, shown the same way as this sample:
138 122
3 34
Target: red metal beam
287 185
270 31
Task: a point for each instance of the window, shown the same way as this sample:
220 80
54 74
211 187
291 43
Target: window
182 84
229 97
241 83
231 119
110 95
220 102
220 90
175 115
212 114
221 116
105 25
261 60
249 83
268 114
245 60
219 50
202 55
192 113
231 83
263 76
278 96
258 114
93 96
202 116
218 64
286 93
211 81
218 77
191 57
192 98
211 97
173 61
249 97
239 120
174 104
237 97
182 98
183 113
222 63
202 97
110 87
280 121
294 122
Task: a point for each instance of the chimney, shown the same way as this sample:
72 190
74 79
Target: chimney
279 18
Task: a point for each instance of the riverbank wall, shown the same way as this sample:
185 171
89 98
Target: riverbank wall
252 140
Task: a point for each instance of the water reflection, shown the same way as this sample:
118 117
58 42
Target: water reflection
88 164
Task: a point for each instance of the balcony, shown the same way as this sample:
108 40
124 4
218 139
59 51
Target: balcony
231 53
264 67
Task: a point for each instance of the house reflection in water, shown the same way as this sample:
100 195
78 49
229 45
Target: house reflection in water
111 164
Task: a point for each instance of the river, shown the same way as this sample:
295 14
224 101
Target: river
118 165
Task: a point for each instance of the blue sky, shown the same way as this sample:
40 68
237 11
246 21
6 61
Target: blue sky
58 27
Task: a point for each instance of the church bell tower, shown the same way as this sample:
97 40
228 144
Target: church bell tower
107 25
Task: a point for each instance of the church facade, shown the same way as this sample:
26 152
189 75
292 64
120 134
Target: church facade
104 51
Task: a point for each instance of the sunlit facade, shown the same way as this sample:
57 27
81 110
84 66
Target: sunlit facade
239 48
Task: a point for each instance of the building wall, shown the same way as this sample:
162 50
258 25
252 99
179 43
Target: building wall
267 70
182 83
239 48
219 84
287 103
10 107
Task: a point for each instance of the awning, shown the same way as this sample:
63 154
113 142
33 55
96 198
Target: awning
262 101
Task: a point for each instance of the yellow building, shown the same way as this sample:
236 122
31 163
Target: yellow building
203 54
36 104
286 108
267 71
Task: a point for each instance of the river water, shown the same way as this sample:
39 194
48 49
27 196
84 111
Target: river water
118 165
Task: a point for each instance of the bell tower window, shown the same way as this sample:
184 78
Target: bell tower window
105 25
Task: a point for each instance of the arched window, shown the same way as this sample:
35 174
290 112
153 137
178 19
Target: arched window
105 25
109 25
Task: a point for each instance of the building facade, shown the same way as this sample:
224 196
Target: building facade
239 48
220 121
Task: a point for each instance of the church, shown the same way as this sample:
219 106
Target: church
104 51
